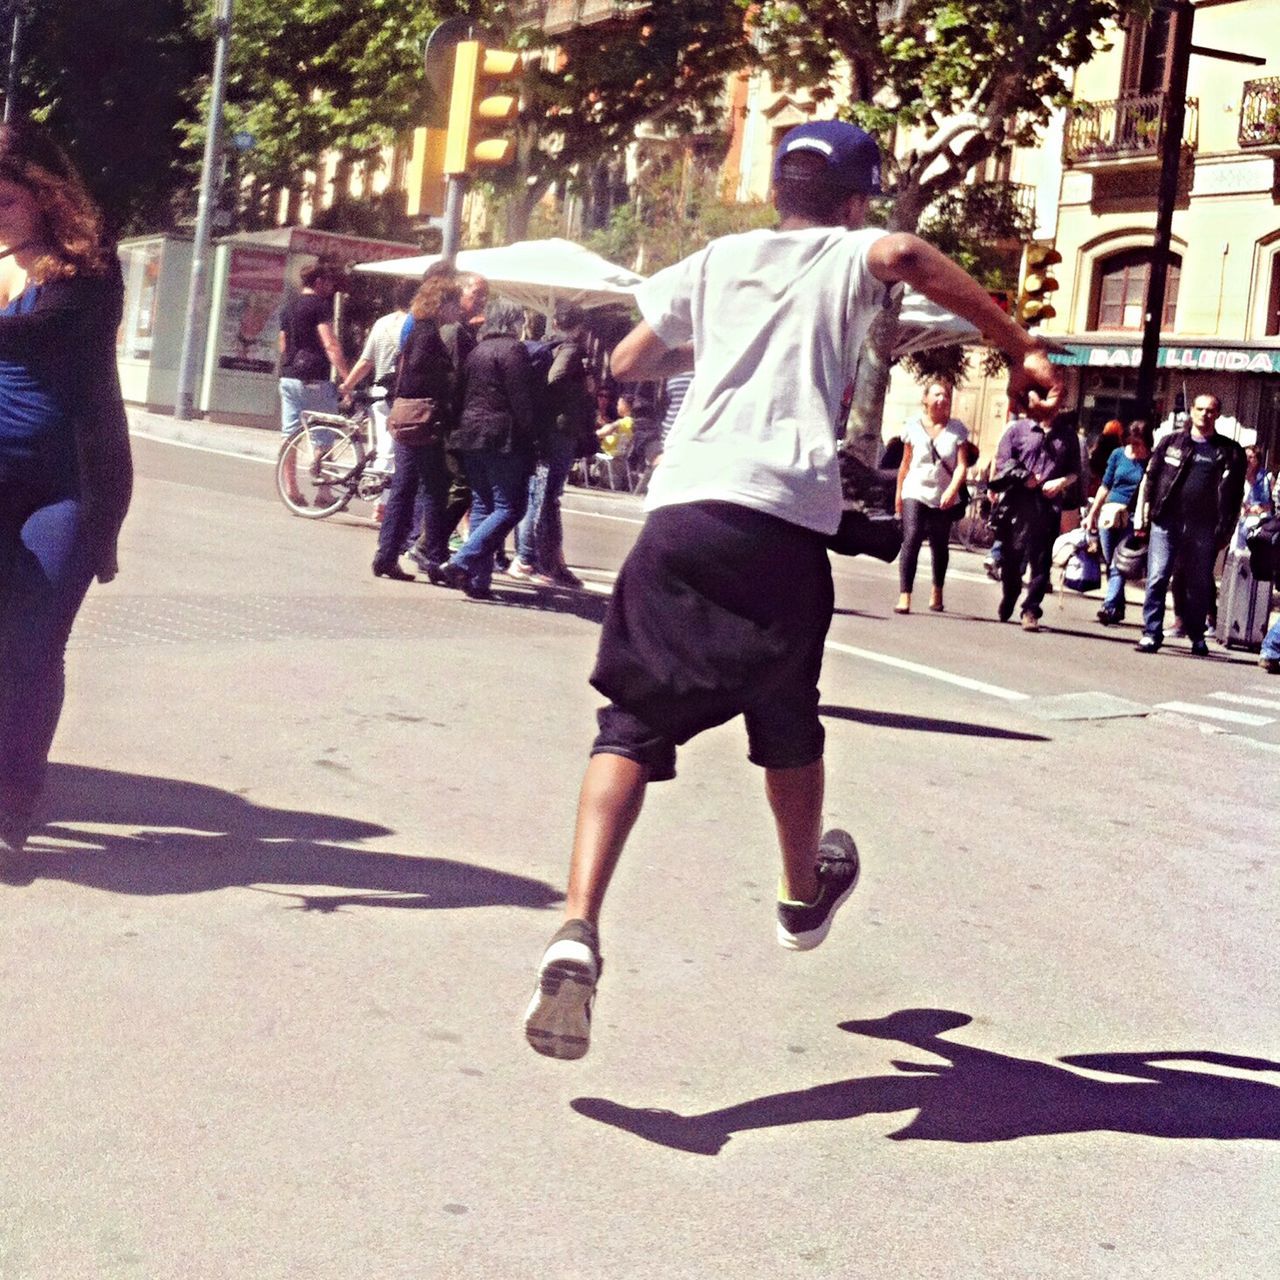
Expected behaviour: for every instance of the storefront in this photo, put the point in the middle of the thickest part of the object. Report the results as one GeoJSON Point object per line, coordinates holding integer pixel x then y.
{"type": "Point", "coordinates": [1103, 380]}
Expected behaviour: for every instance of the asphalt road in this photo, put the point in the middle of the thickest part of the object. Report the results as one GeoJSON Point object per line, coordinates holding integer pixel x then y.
{"type": "Point", "coordinates": [306, 838]}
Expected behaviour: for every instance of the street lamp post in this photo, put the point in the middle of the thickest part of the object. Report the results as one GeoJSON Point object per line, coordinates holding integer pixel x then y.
{"type": "Point", "coordinates": [193, 328]}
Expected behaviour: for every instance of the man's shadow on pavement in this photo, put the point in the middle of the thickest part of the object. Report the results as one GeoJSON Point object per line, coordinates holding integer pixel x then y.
{"type": "Point", "coordinates": [979, 1095]}
{"type": "Point", "coordinates": [185, 837]}
{"type": "Point", "coordinates": [923, 724]}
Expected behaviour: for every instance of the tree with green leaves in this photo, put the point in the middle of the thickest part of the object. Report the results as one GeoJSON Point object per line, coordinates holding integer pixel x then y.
{"type": "Point", "coordinates": [955, 80]}
{"type": "Point", "coordinates": [308, 77]}
{"type": "Point", "coordinates": [111, 80]}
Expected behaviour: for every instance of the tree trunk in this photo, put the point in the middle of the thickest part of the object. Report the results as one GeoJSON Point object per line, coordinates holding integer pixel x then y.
{"type": "Point", "coordinates": [871, 382]}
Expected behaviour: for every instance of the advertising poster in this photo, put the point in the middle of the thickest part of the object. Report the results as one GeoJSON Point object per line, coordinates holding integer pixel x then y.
{"type": "Point", "coordinates": [141, 267]}
{"type": "Point", "coordinates": [251, 310]}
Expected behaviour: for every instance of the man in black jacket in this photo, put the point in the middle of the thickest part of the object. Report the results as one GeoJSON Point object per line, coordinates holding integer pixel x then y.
{"type": "Point", "coordinates": [1189, 503]}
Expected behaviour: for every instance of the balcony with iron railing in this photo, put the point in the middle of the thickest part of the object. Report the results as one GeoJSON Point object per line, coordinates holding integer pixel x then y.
{"type": "Point", "coordinates": [1260, 113]}
{"type": "Point", "coordinates": [1127, 130]}
{"type": "Point", "coordinates": [564, 15]}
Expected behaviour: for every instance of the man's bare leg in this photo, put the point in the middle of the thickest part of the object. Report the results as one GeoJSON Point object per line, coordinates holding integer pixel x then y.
{"type": "Point", "coordinates": [819, 871]}
{"type": "Point", "coordinates": [558, 1021]}
{"type": "Point", "coordinates": [795, 796]}
{"type": "Point", "coordinates": [608, 806]}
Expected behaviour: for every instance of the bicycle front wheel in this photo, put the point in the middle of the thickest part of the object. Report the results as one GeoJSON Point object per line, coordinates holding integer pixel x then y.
{"type": "Point", "coordinates": [318, 467]}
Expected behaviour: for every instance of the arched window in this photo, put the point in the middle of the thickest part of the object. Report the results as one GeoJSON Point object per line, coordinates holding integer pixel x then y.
{"type": "Point", "coordinates": [1121, 290]}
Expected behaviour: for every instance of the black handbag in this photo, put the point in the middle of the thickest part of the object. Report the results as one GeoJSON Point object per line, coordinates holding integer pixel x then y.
{"type": "Point", "coordinates": [1264, 549]}
{"type": "Point", "coordinates": [1129, 559]}
{"type": "Point", "coordinates": [868, 526]}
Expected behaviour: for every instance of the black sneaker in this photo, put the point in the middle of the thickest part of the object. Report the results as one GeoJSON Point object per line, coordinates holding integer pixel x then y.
{"type": "Point", "coordinates": [1148, 644]}
{"type": "Point", "coordinates": [558, 1021]}
{"type": "Point", "coordinates": [803, 925]}
{"type": "Point", "coordinates": [1200, 648]}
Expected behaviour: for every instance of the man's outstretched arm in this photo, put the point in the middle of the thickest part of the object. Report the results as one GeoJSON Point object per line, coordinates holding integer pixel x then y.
{"type": "Point", "coordinates": [643, 357]}
{"type": "Point", "coordinates": [906, 259]}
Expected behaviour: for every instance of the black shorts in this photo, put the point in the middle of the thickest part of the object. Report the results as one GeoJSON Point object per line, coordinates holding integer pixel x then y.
{"type": "Point", "coordinates": [719, 611]}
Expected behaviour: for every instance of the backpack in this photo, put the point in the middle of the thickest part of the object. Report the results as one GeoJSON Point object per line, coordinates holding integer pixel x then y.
{"type": "Point", "coordinates": [1081, 570]}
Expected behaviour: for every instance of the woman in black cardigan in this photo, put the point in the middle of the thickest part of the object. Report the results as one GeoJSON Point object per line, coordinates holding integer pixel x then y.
{"type": "Point", "coordinates": [65, 469]}
{"type": "Point", "coordinates": [425, 370]}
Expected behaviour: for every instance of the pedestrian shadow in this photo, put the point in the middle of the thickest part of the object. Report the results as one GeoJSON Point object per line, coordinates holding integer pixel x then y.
{"type": "Point", "coordinates": [978, 1095]}
{"type": "Point", "coordinates": [586, 605]}
{"type": "Point", "coordinates": [925, 724]}
{"type": "Point", "coordinates": [136, 834]}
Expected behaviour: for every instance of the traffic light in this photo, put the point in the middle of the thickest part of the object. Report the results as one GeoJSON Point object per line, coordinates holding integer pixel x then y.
{"type": "Point", "coordinates": [477, 135]}
{"type": "Point", "coordinates": [1038, 261]}
{"type": "Point", "coordinates": [424, 178]}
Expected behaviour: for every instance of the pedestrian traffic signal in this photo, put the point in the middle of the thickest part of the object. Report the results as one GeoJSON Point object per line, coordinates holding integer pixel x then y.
{"type": "Point", "coordinates": [479, 133]}
{"type": "Point", "coordinates": [1034, 306]}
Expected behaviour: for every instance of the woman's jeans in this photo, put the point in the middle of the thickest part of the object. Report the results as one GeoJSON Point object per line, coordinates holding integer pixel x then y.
{"type": "Point", "coordinates": [499, 492]}
{"type": "Point", "coordinates": [921, 521]}
{"type": "Point", "coordinates": [44, 574]}
{"type": "Point", "coordinates": [421, 470]}
{"type": "Point", "coordinates": [1110, 539]}
{"type": "Point", "coordinates": [540, 537]}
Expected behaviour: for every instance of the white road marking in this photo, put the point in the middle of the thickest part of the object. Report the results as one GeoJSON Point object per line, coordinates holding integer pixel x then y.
{"type": "Point", "coordinates": [1243, 700]}
{"type": "Point", "coordinates": [1216, 713]}
{"type": "Point", "coordinates": [931, 673]}
{"type": "Point", "coordinates": [204, 448]}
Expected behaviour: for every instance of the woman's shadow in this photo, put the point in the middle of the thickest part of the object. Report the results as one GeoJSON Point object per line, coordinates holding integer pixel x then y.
{"type": "Point", "coordinates": [185, 837]}
{"type": "Point", "coordinates": [978, 1095]}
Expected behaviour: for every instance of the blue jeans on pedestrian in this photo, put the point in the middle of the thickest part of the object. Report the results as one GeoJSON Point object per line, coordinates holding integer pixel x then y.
{"type": "Point", "coordinates": [1271, 642]}
{"type": "Point", "coordinates": [499, 494]}
{"type": "Point", "coordinates": [421, 475]}
{"type": "Point", "coordinates": [1114, 601]}
{"type": "Point", "coordinates": [540, 537]}
{"type": "Point", "coordinates": [1193, 547]}
{"type": "Point", "coordinates": [296, 395]}
{"type": "Point", "coordinates": [45, 571]}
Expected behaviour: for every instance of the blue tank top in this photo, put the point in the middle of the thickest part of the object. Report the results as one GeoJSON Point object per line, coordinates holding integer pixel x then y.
{"type": "Point", "coordinates": [36, 443]}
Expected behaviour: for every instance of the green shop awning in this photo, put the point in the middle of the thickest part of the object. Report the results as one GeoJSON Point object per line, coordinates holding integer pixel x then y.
{"type": "Point", "coordinates": [1225, 359]}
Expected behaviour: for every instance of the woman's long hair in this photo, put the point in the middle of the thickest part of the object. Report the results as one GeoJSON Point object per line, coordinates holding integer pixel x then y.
{"type": "Point", "coordinates": [72, 229]}
{"type": "Point", "coordinates": [439, 286]}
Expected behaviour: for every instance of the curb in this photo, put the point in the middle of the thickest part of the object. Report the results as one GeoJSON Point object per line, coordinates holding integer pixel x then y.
{"type": "Point", "coordinates": [249, 442]}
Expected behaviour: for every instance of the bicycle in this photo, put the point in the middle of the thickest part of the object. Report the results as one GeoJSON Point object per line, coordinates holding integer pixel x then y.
{"type": "Point", "coordinates": [326, 461]}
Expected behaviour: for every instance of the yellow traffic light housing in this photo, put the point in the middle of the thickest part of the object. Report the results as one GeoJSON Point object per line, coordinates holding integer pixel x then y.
{"type": "Point", "coordinates": [471, 139]}
{"type": "Point", "coordinates": [424, 177]}
{"type": "Point", "coordinates": [1034, 306]}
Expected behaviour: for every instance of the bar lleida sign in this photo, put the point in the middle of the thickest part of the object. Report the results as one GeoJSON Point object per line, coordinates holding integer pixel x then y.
{"type": "Point", "coordinates": [1187, 359]}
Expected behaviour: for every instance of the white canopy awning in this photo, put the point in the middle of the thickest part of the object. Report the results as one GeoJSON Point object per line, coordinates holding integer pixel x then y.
{"type": "Point", "coordinates": [533, 273]}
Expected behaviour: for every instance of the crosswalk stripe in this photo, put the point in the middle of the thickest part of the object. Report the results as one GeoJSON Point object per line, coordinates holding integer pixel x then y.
{"type": "Point", "coordinates": [1216, 713]}
{"type": "Point", "coordinates": [1243, 700]}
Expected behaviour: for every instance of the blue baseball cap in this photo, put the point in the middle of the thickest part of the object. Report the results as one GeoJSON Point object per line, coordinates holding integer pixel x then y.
{"type": "Point", "coordinates": [853, 159]}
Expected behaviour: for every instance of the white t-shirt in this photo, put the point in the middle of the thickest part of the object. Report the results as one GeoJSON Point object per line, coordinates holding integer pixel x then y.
{"type": "Point", "coordinates": [382, 346]}
{"type": "Point", "coordinates": [933, 461]}
{"type": "Point", "coordinates": [777, 319]}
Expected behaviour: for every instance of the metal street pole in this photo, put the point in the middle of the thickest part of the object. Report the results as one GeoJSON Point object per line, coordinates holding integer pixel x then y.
{"type": "Point", "coordinates": [15, 62]}
{"type": "Point", "coordinates": [1174, 118]}
{"type": "Point", "coordinates": [455, 189]}
{"type": "Point", "coordinates": [193, 329]}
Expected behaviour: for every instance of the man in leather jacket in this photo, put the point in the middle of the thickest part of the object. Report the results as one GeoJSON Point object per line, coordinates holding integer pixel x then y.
{"type": "Point", "coordinates": [1189, 503]}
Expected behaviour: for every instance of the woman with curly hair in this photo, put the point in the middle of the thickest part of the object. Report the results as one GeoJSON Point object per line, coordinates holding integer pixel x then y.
{"type": "Point", "coordinates": [426, 371]}
{"type": "Point", "coordinates": [65, 469]}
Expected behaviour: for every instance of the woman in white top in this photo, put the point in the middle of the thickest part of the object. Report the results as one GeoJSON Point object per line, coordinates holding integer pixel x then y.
{"type": "Point", "coordinates": [935, 462]}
